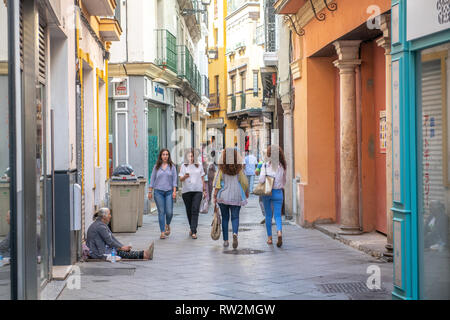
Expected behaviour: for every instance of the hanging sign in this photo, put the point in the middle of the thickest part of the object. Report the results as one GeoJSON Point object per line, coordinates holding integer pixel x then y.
{"type": "Point", "coordinates": [121, 88]}
{"type": "Point", "coordinates": [159, 92]}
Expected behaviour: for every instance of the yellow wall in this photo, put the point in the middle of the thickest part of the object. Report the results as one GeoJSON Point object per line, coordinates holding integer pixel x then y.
{"type": "Point", "coordinates": [219, 67]}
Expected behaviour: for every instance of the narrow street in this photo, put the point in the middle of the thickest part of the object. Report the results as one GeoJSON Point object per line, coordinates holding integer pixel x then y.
{"type": "Point", "coordinates": [307, 266]}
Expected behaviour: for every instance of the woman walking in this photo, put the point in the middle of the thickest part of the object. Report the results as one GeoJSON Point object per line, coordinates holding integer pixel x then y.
{"type": "Point", "coordinates": [274, 168]}
{"type": "Point", "coordinates": [194, 187]}
{"type": "Point", "coordinates": [231, 193]}
{"type": "Point", "coordinates": [164, 181]}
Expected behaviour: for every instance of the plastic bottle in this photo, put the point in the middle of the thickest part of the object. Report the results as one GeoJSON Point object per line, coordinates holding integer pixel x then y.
{"type": "Point", "coordinates": [113, 255]}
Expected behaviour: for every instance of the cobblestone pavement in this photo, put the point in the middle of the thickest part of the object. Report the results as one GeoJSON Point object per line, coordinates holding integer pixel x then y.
{"type": "Point", "coordinates": [310, 265]}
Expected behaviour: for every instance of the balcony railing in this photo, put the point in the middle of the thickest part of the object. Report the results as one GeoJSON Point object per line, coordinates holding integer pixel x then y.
{"type": "Point", "coordinates": [185, 64]}
{"type": "Point", "coordinates": [195, 79]}
{"type": "Point", "coordinates": [243, 101]}
{"type": "Point", "coordinates": [270, 30]}
{"type": "Point", "coordinates": [205, 86]}
{"type": "Point", "coordinates": [199, 83]}
{"type": "Point", "coordinates": [234, 5]}
{"type": "Point", "coordinates": [233, 103]}
{"type": "Point", "coordinates": [166, 50]}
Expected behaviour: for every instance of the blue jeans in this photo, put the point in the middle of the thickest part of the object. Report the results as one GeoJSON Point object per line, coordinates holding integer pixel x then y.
{"type": "Point", "coordinates": [251, 182]}
{"type": "Point", "coordinates": [164, 203]}
{"type": "Point", "coordinates": [276, 199]}
{"type": "Point", "coordinates": [225, 210]}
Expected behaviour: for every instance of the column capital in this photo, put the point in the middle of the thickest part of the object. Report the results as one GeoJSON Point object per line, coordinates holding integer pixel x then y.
{"type": "Point", "coordinates": [385, 40]}
{"type": "Point", "coordinates": [287, 108]}
{"type": "Point", "coordinates": [347, 49]}
{"type": "Point", "coordinates": [347, 66]}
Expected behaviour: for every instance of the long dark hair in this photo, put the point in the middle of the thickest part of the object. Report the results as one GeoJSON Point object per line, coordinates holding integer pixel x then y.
{"type": "Point", "coordinates": [186, 157]}
{"type": "Point", "coordinates": [159, 162]}
{"type": "Point", "coordinates": [281, 157]}
{"type": "Point", "coordinates": [232, 168]}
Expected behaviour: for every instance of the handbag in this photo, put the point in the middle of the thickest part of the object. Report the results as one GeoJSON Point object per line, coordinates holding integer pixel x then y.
{"type": "Point", "coordinates": [215, 225]}
{"type": "Point", "coordinates": [265, 188]}
{"type": "Point", "coordinates": [204, 205]}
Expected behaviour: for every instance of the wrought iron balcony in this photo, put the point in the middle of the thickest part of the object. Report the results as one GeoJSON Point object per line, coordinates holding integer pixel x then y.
{"type": "Point", "coordinates": [233, 103]}
{"type": "Point", "coordinates": [234, 5]}
{"type": "Point", "coordinates": [185, 63]}
{"type": "Point", "coordinates": [270, 30]}
{"type": "Point", "coordinates": [100, 7]}
{"type": "Point", "coordinates": [243, 101]}
{"type": "Point", "coordinates": [166, 50]}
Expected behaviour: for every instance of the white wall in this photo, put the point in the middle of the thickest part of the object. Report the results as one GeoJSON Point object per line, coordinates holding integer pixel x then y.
{"type": "Point", "coordinates": [61, 79]}
{"type": "Point", "coordinates": [119, 48]}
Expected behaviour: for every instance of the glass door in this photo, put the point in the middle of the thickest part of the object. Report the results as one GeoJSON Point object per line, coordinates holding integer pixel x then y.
{"type": "Point", "coordinates": [434, 174]}
{"type": "Point", "coordinates": [5, 173]}
{"type": "Point", "coordinates": [42, 182]}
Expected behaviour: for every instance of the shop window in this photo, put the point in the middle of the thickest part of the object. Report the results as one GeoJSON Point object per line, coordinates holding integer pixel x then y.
{"type": "Point", "coordinates": [434, 165]}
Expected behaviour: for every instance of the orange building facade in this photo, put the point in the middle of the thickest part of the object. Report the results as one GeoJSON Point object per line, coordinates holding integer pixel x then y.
{"type": "Point", "coordinates": [340, 70]}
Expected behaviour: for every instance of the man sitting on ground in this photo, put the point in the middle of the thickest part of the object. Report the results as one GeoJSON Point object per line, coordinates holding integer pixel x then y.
{"type": "Point", "coordinates": [101, 241]}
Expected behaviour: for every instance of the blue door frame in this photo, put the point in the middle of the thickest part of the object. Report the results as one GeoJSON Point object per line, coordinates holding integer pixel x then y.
{"type": "Point", "coordinates": [405, 55]}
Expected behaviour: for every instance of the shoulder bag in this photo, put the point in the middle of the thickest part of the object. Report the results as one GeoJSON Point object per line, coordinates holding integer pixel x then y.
{"type": "Point", "coordinates": [215, 225]}
{"type": "Point", "coordinates": [265, 188]}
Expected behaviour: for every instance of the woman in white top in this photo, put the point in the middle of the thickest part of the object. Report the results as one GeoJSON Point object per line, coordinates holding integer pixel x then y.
{"type": "Point", "coordinates": [194, 187]}
{"type": "Point", "coordinates": [274, 168]}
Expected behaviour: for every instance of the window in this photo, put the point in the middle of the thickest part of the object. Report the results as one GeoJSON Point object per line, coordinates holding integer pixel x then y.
{"type": "Point", "coordinates": [216, 10]}
{"type": "Point", "coordinates": [255, 83]}
{"type": "Point", "coordinates": [121, 105]}
{"type": "Point", "coordinates": [216, 36]}
{"type": "Point", "coordinates": [243, 79]}
{"type": "Point", "coordinates": [216, 79]}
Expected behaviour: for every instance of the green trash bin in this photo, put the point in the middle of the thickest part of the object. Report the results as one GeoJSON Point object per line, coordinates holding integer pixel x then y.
{"type": "Point", "coordinates": [4, 208]}
{"type": "Point", "coordinates": [141, 202]}
{"type": "Point", "coordinates": [124, 205]}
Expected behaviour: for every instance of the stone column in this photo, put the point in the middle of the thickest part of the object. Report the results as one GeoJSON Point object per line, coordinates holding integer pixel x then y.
{"type": "Point", "coordinates": [348, 53]}
{"type": "Point", "coordinates": [385, 42]}
{"type": "Point", "coordinates": [288, 153]}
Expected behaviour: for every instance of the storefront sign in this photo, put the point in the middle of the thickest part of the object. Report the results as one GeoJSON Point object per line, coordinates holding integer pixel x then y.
{"type": "Point", "coordinates": [214, 121]}
{"type": "Point", "coordinates": [396, 130]}
{"type": "Point", "coordinates": [159, 92]}
{"type": "Point", "coordinates": [121, 88]}
{"type": "Point", "coordinates": [435, 12]}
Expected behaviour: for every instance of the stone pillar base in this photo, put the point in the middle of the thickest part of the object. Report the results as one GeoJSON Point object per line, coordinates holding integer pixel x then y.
{"type": "Point", "coordinates": [389, 253]}
{"type": "Point", "coordinates": [350, 231]}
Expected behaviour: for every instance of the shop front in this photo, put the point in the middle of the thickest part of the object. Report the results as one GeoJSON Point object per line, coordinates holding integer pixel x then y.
{"type": "Point", "coordinates": [421, 149]}
{"type": "Point", "coordinates": [159, 108]}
